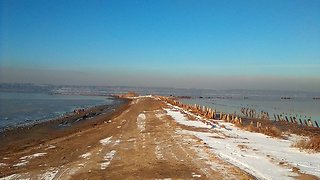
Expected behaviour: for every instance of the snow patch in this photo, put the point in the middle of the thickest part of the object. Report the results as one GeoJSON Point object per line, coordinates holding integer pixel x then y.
{"type": "Point", "coordinates": [86, 155]}
{"type": "Point", "coordinates": [24, 160]}
{"type": "Point", "coordinates": [141, 96]}
{"type": "Point", "coordinates": [196, 175]}
{"type": "Point", "coordinates": [3, 164]}
{"type": "Point", "coordinates": [117, 142]}
{"type": "Point", "coordinates": [105, 141]}
{"type": "Point", "coordinates": [50, 147]}
{"type": "Point", "coordinates": [107, 159]}
{"type": "Point", "coordinates": [141, 122]}
{"type": "Point", "coordinates": [136, 101]}
{"type": "Point", "coordinates": [22, 163]}
{"type": "Point", "coordinates": [49, 175]}
{"type": "Point", "coordinates": [11, 177]}
{"type": "Point", "coordinates": [131, 140]}
{"type": "Point", "coordinates": [73, 171]}
{"type": "Point", "coordinates": [158, 152]}
{"type": "Point", "coordinates": [263, 155]}
{"type": "Point", "coordinates": [142, 116]}
{"type": "Point", "coordinates": [33, 156]}
{"type": "Point", "coordinates": [181, 119]}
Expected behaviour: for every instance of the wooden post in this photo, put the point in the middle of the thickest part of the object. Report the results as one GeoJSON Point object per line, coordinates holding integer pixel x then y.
{"type": "Point", "coordinates": [294, 119]}
{"type": "Point", "coordinates": [286, 118]}
{"type": "Point", "coordinates": [291, 119]}
{"type": "Point", "coordinates": [278, 117]}
{"type": "Point", "coordinates": [316, 123]}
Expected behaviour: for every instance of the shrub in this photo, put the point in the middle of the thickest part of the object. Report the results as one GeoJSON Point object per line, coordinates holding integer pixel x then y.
{"type": "Point", "coordinates": [274, 132]}
{"type": "Point", "coordinates": [312, 143]}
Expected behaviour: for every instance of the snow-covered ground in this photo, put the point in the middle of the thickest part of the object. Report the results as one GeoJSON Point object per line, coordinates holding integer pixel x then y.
{"type": "Point", "coordinates": [25, 159]}
{"type": "Point", "coordinates": [181, 119]}
{"type": "Point", "coordinates": [258, 154]}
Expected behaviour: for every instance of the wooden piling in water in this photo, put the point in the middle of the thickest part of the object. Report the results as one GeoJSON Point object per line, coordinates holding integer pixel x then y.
{"type": "Point", "coordinates": [286, 118]}
{"type": "Point", "coordinates": [291, 119]}
{"type": "Point", "coordinates": [295, 121]}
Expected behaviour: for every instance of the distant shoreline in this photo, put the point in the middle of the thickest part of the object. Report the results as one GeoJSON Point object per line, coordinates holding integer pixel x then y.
{"type": "Point", "coordinates": [51, 111]}
{"type": "Point", "coordinates": [148, 131]}
{"type": "Point", "coordinates": [53, 128]}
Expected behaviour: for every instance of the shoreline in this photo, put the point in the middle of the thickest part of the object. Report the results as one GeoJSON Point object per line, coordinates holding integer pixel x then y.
{"type": "Point", "coordinates": [302, 111]}
{"type": "Point", "coordinates": [32, 134]}
{"type": "Point", "coordinates": [63, 114]}
{"type": "Point", "coordinates": [284, 126]}
{"type": "Point", "coordinates": [132, 131]}
{"type": "Point", "coordinates": [148, 137]}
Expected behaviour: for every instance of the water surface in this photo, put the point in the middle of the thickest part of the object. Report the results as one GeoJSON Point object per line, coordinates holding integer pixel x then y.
{"type": "Point", "coordinates": [23, 108]}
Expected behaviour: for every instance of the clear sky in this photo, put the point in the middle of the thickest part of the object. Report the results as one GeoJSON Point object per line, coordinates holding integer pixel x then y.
{"type": "Point", "coordinates": [257, 44]}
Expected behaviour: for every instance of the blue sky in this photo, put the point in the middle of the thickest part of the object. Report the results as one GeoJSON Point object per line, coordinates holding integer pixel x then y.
{"type": "Point", "coordinates": [133, 42]}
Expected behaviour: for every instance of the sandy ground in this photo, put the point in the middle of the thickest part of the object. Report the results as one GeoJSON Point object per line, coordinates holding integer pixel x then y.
{"type": "Point", "coordinates": [139, 143]}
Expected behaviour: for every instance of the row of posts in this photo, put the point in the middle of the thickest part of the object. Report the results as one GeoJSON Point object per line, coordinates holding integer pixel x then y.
{"type": "Point", "coordinates": [206, 112]}
{"type": "Point", "coordinates": [251, 113]}
{"type": "Point", "coordinates": [296, 120]}
{"type": "Point", "coordinates": [247, 112]}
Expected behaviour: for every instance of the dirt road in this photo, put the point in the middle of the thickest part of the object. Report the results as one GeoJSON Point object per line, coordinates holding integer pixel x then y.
{"type": "Point", "coordinates": [140, 143]}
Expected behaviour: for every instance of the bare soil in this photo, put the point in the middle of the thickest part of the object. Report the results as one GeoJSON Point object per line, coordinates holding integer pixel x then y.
{"type": "Point", "coordinates": [138, 141]}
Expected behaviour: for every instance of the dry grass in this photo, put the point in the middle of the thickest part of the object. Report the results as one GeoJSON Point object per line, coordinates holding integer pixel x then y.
{"type": "Point", "coordinates": [190, 117]}
{"type": "Point", "coordinates": [251, 128]}
{"type": "Point", "coordinates": [312, 143]}
{"type": "Point", "coordinates": [243, 147]}
{"type": "Point", "coordinates": [270, 131]}
{"type": "Point", "coordinates": [273, 131]}
{"type": "Point", "coordinates": [271, 128]}
{"type": "Point", "coordinates": [239, 125]}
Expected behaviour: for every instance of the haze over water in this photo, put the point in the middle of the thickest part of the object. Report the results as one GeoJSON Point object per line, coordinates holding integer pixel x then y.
{"type": "Point", "coordinates": [268, 44]}
{"type": "Point", "coordinates": [218, 45]}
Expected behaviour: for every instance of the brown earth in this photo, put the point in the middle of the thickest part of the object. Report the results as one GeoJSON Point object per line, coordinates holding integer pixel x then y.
{"type": "Point", "coordinates": [140, 142]}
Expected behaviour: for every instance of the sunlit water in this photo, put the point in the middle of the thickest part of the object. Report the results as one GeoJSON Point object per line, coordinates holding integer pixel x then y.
{"type": "Point", "coordinates": [22, 108]}
{"type": "Point", "coordinates": [301, 107]}
{"type": "Point", "coordinates": [17, 108]}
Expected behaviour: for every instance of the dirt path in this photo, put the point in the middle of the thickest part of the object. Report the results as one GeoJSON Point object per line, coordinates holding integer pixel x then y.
{"type": "Point", "coordinates": [141, 143]}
